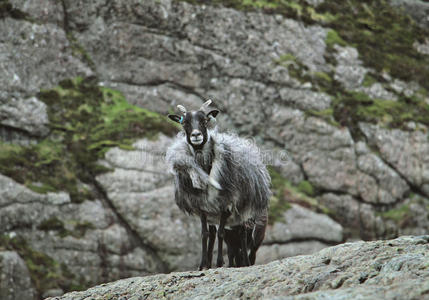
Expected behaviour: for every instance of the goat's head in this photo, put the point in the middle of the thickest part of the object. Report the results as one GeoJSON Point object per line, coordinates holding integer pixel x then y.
{"type": "Point", "coordinates": [195, 124]}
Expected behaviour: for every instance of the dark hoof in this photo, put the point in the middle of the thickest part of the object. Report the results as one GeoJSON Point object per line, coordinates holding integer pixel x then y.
{"type": "Point", "coordinates": [219, 264]}
{"type": "Point", "coordinates": [203, 268]}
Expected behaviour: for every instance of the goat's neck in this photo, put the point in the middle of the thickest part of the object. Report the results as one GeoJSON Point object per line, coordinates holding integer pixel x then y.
{"type": "Point", "coordinates": [204, 155]}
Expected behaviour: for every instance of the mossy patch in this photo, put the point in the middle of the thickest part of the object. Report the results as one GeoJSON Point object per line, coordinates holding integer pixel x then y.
{"type": "Point", "coordinates": [400, 215]}
{"type": "Point", "coordinates": [45, 272]}
{"type": "Point", "coordinates": [369, 80]}
{"type": "Point", "coordinates": [383, 35]}
{"type": "Point", "coordinates": [332, 38]}
{"type": "Point", "coordinates": [321, 81]}
{"type": "Point", "coordinates": [85, 120]}
{"type": "Point", "coordinates": [56, 225]}
{"type": "Point", "coordinates": [285, 193]}
{"type": "Point", "coordinates": [52, 224]}
{"type": "Point", "coordinates": [323, 77]}
{"type": "Point", "coordinates": [327, 115]}
{"type": "Point", "coordinates": [350, 108]}
{"type": "Point", "coordinates": [306, 187]}
{"type": "Point", "coordinates": [322, 18]}
{"type": "Point", "coordinates": [279, 202]}
{"type": "Point", "coordinates": [295, 68]}
{"type": "Point", "coordinates": [79, 51]}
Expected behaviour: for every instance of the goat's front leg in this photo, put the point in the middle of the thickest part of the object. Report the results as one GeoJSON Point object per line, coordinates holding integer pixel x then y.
{"type": "Point", "coordinates": [220, 234]}
{"type": "Point", "coordinates": [212, 238]}
{"type": "Point", "coordinates": [204, 236]}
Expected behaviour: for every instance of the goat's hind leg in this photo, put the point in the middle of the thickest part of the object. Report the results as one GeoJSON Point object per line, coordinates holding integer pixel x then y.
{"type": "Point", "coordinates": [204, 237]}
{"type": "Point", "coordinates": [230, 238]}
{"type": "Point", "coordinates": [258, 237]}
{"type": "Point", "coordinates": [243, 240]}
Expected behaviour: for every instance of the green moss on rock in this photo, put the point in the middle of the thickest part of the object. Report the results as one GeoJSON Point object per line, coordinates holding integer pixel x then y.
{"type": "Point", "coordinates": [401, 215]}
{"type": "Point", "coordinates": [285, 193]}
{"type": "Point", "coordinates": [79, 51]}
{"type": "Point", "coordinates": [397, 214]}
{"type": "Point", "coordinates": [350, 108]}
{"type": "Point", "coordinates": [306, 187]}
{"type": "Point", "coordinates": [327, 115]}
{"type": "Point", "coordinates": [323, 77]}
{"type": "Point", "coordinates": [86, 120]}
{"type": "Point", "coordinates": [296, 69]}
{"type": "Point", "coordinates": [368, 80]}
{"type": "Point", "coordinates": [279, 202]}
{"type": "Point", "coordinates": [332, 38]}
{"type": "Point", "coordinates": [54, 224]}
{"type": "Point", "coordinates": [383, 35]}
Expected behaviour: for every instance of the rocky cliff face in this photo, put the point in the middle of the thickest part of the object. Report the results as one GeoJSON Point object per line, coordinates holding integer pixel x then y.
{"type": "Point", "coordinates": [335, 94]}
{"type": "Point", "coordinates": [395, 269]}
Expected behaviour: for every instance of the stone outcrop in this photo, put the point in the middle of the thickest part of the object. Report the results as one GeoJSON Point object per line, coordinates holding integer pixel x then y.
{"type": "Point", "coordinates": [347, 140]}
{"type": "Point", "coordinates": [15, 281]}
{"type": "Point", "coordinates": [393, 269]}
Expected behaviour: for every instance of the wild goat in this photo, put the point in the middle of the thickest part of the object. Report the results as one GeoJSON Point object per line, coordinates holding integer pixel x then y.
{"type": "Point", "coordinates": [218, 177]}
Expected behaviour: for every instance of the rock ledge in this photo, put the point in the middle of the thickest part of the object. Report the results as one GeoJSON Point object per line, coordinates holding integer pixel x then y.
{"type": "Point", "coordinates": [392, 269]}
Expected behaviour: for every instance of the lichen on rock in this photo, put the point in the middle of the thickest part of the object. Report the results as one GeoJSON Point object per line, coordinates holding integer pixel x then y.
{"type": "Point", "coordinates": [85, 120]}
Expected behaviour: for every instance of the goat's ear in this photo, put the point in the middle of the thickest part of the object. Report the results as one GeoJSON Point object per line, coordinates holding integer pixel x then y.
{"type": "Point", "coordinates": [213, 113]}
{"type": "Point", "coordinates": [176, 118]}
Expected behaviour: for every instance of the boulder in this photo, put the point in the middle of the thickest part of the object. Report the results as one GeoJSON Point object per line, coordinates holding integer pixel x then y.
{"type": "Point", "coordinates": [394, 269]}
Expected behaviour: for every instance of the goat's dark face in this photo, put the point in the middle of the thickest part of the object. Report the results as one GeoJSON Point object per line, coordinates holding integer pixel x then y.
{"type": "Point", "coordinates": [195, 125]}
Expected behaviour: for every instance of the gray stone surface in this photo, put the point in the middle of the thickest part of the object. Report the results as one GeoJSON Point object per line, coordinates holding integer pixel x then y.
{"type": "Point", "coordinates": [29, 115]}
{"type": "Point", "coordinates": [34, 56]}
{"type": "Point", "coordinates": [377, 91]}
{"type": "Point", "coordinates": [269, 253]}
{"type": "Point", "coordinates": [405, 151]}
{"type": "Point", "coordinates": [15, 281]}
{"type": "Point", "coordinates": [346, 210]}
{"type": "Point", "coordinates": [349, 70]}
{"type": "Point", "coordinates": [393, 269]}
{"type": "Point", "coordinates": [302, 224]}
{"type": "Point", "coordinates": [351, 73]}
{"type": "Point", "coordinates": [46, 11]}
{"type": "Point", "coordinates": [388, 187]}
{"type": "Point", "coordinates": [418, 10]}
{"type": "Point", "coordinates": [305, 99]}
{"type": "Point", "coordinates": [422, 48]}
{"type": "Point", "coordinates": [23, 211]}
{"type": "Point", "coordinates": [162, 53]}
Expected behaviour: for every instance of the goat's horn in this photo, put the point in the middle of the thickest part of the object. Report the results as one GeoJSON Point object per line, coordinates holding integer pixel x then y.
{"type": "Point", "coordinates": [206, 104]}
{"type": "Point", "coordinates": [182, 109]}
